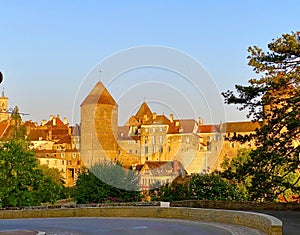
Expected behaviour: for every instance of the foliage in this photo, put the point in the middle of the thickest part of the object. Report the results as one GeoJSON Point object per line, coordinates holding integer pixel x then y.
{"type": "Point", "coordinates": [214, 187]}
{"type": "Point", "coordinates": [170, 192]}
{"type": "Point", "coordinates": [107, 182]}
{"type": "Point", "coordinates": [53, 173]}
{"type": "Point", "coordinates": [200, 187]}
{"type": "Point", "coordinates": [273, 166]}
{"type": "Point", "coordinates": [22, 182]}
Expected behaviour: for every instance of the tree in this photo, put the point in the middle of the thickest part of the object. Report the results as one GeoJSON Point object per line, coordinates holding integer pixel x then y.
{"type": "Point", "coordinates": [274, 98]}
{"type": "Point", "coordinates": [200, 187]}
{"type": "Point", "coordinates": [213, 187]}
{"type": "Point", "coordinates": [107, 182]}
{"type": "Point", "coordinates": [22, 182]}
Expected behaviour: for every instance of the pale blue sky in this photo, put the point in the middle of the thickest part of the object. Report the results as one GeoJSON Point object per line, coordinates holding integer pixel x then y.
{"type": "Point", "coordinates": [48, 47]}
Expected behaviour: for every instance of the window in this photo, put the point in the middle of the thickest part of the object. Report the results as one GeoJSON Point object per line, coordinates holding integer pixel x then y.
{"type": "Point", "coordinates": [136, 151]}
{"type": "Point", "coordinates": [146, 149]}
{"type": "Point", "coordinates": [160, 139]}
{"type": "Point", "coordinates": [62, 155]}
{"type": "Point", "coordinates": [153, 129]}
{"type": "Point", "coordinates": [130, 151]}
{"type": "Point", "coordinates": [187, 140]}
{"type": "Point", "coordinates": [74, 155]}
{"type": "Point", "coordinates": [153, 139]}
{"type": "Point", "coordinates": [161, 149]}
{"type": "Point", "coordinates": [154, 149]}
{"type": "Point", "coordinates": [161, 129]}
{"type": "Point", "coordinates": [63, 162]}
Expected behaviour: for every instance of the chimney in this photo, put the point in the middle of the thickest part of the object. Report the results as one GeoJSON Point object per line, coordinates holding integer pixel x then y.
{"type": "Point", "coordinates": [154, 115]}
{"type": "Point", "coordinates": [200, 121]}
{"type": "Point", "coordinates": [54, 121]}
{"type": "Point", "coordinates": [65, 121]}
{"type": "Point", "coordinates": [171, 118]}
{"type": "Point", "coordinates": [43, 122]}
{"type": "Point", "coordinates": [175, 166]}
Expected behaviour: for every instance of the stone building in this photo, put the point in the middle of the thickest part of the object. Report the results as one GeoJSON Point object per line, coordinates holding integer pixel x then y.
{"type": "Point", "coordinates": [52, 141]}
{"type": "Point", "coordinates": [145, 137]}
{"type": "Point", "coordinates": [99, 129]}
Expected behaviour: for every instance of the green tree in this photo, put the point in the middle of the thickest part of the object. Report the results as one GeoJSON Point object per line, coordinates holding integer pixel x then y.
{"type": "Point", "coordinates": [200, 187]}
{"type": "Point", "coordinates": [274, 98]}
{"type": "Point", "coordinates": [22, 182]}
{"type": "Point", "coordinates": [171, 192]}
{"type": "Point", "coordinates": [213, 187]}
{"type": "Point", "coordinates": [107, 182]}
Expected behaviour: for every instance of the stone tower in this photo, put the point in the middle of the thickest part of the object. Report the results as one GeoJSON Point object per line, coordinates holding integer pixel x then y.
{"type": "Point", "coordinates": [99, 126]}
{"type": "Point", "coordinates": [4, 115]}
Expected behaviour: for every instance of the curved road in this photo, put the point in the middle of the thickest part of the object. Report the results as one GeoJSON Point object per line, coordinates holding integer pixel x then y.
{"type": "Point", "coordinates": [115, 226]}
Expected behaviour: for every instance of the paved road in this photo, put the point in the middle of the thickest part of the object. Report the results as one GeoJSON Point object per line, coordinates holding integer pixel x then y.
{"type": "Point", "coordinates": [290, 219]}
{"type": "Point", "coordinates": [115, 226]}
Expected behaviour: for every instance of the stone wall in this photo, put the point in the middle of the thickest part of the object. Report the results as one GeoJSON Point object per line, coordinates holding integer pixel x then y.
{"type": "Point", "coordinates": [238, 205]}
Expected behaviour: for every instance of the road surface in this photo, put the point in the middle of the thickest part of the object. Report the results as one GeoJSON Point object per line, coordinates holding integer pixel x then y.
{"type": "Point", "coordinates": [117, 226]}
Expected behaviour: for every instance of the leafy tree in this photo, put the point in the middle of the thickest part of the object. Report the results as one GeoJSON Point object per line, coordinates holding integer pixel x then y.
{"type": "Point", "coordinates": [53, 173]}
{"type": "Point", "coordinates": [53, 182]}
{"type": "Point", "coordinates": [107, 182]}
{"type": "Point", "coordinates": [274, 98]}
{"type": "Point", "coordinates": [171, 192]}
{"type": "Point", "coordinates": [213, 187]}
{"type": "Point", "coordinates": [200, 187]}
{"type": "Point", "coordinates": [22, 182]}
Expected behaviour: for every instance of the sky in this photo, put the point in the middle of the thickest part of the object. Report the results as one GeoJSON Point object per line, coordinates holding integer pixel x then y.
{"type": "Point", "coordinates": [51, 52]}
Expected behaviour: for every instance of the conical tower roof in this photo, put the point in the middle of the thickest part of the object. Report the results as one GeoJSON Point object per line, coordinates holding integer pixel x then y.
{"type": "Point", "coordinates": [99, 95]}
{"type": "Point", "coordinates": [144, 110]}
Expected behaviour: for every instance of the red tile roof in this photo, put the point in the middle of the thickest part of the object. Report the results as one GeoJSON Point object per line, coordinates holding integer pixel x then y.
{"type": "Point", "coordinates": [35, 135]}
{"type": "Point", "coordinates": [208, 128]}
{"type": "Point", "coordinates": [144, 110]}
{"type": "Point", "coordinates": [158, 168]}
{"type": "Point", "coordinates": [3, 127]}
{"type": "Point", "coordinates": [56, 122]}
